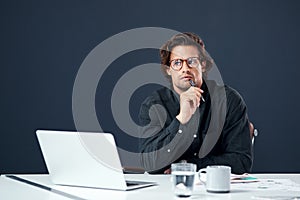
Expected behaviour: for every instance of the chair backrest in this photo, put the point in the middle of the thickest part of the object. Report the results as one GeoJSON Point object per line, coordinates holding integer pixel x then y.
{"type": "Point", "coordinates": [253, 131]}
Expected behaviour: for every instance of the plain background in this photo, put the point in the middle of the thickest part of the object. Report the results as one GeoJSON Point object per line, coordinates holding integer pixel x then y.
{"type": "Point", "coordinates": [43, 43]}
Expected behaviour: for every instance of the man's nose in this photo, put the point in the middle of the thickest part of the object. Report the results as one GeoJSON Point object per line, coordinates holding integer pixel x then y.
{"type": "Point", "coordinates": [185, 66]}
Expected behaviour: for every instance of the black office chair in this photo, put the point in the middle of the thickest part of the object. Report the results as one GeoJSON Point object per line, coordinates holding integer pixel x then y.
{"type": "Point", "coordinates": [253, 132]}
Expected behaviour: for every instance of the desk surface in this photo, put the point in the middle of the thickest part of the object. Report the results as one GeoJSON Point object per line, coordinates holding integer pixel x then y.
{"type": "Point", "coordinates": [278, 185]}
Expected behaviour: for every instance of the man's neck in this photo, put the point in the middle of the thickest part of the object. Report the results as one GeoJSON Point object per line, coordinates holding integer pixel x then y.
{"type": "Point", "coordinates": [178, 91]}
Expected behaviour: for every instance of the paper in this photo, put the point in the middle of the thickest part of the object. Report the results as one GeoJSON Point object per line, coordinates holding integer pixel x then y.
{"type": "Point", "coordinates": [269, 185]}
{"type": "Point", "coordinates": [243, 178]}
{"type": "Point", "coordinates": [235, 178]}
{"type": "Point", "coordinates": [249, 182]}
{"type": "Point", "coordinates": [276, 197]}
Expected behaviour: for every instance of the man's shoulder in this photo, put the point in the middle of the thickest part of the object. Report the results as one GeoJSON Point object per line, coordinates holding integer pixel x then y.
{"type": "Point", "coordinates": [217, 88]}
{"type": "Point", "coordinates": [223, 92]}
{"type": "Point", "coordinates": [232, 93]}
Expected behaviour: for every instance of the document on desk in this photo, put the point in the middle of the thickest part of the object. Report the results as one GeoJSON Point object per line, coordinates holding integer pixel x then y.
{"type": "Point", "coordinates": [243, 178]}
{"type": "Point", "coordinates": [250, 182]}
{"type": "Point", "coordinates": [271, 186]}
{"type": "Point", "coordinates": [268, 185]}
{"type": "Point", "coordinates": [234, 178]}
{"type": "Point", "coordinates": [276, 197]}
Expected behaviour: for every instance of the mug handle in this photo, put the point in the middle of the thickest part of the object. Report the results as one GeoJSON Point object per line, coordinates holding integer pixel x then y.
{"type": "Point", "coordinates": [202, 171]}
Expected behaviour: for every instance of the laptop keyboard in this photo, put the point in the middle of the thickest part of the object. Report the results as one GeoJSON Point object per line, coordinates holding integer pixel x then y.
{"type": "Point", "coordinates": [132, 183]}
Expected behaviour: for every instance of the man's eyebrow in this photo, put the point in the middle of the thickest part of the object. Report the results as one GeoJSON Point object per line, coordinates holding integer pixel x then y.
{"type": "Point", "coordinates": [176, 58]}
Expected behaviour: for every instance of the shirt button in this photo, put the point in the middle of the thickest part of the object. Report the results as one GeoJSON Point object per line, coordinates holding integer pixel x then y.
{"type": "Point", "coordinates": [179, 131]}
{"type": "Point", "coordinates": [195, 154]}
{"type": "Point", "coordinates": [168, 150]}
{"type": "Point", "coordinates": [195, 136]}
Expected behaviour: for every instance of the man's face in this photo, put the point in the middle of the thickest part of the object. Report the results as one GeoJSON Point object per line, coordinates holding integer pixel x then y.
{"type": "Point", "coordinates": [181, 78]}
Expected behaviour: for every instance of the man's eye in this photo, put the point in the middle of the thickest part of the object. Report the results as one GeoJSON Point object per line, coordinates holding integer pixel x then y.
{"type": "Point", "coordinates": [191, 62]}
{"type": "Point", "coordinates": [177, 62]}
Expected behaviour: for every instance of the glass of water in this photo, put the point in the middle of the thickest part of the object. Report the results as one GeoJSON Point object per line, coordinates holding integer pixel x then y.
{"type": "Point", "coordinates": [183, 175]}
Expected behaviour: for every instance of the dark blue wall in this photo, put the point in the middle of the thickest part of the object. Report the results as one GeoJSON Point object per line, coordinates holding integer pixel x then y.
{"type": "Point", "coordinates": [43, 43]}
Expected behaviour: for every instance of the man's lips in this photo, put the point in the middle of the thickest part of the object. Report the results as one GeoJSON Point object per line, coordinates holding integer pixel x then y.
{"type": "Point", "coordinates": [187, 77]}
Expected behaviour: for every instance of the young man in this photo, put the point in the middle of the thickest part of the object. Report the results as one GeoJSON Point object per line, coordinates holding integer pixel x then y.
{"type": "Point", "coordinates": [197, 121]}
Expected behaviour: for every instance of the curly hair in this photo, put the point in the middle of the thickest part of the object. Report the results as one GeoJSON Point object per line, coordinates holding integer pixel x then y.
{"type": "Point", "coordinates": [184, 39]}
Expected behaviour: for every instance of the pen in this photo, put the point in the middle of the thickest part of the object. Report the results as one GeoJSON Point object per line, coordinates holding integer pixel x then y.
{"type": "Point", "coordinates": [193, 85]}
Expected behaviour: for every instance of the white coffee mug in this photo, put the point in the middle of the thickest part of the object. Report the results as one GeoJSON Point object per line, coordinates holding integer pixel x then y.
{"type": "Point", "coordinates": [217, 178]}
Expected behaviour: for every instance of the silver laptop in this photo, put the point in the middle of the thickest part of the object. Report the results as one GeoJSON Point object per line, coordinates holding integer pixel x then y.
{"type": "Point", "coordinates": [84, 159]}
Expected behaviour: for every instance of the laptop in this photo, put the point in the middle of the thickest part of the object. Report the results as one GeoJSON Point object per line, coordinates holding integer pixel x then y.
{"type": "Point", "coordinates": [84, 159]}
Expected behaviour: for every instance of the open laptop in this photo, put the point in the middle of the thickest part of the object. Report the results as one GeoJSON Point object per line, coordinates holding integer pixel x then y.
{"type": "Point", "coordinates": [84, 159]}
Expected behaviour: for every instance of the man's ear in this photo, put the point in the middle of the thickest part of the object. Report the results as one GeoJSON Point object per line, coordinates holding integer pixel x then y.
{"type": "Point", "coordinates": [168, 71]}
{"type": "Point", "coordinates": [203, 66]}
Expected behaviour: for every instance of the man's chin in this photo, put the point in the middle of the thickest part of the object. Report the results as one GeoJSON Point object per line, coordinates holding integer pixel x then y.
{"type": "Point", "coordinates": [186, 85]}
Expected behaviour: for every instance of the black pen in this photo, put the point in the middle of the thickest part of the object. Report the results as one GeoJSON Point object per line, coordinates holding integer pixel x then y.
{"type": "Point", "coordinates": [193, 85]}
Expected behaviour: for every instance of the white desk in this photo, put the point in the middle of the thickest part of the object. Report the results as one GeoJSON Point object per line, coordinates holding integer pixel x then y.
{"type": "Point", "coordinates": [13, 189]}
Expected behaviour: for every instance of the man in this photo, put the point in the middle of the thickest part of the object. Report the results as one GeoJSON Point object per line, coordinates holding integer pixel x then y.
{"type": "Point", "coordinates": [198, 121]}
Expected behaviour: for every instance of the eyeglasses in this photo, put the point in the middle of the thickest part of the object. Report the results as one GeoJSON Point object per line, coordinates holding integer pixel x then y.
{"type": "Point", "coordinates": [177, 64]}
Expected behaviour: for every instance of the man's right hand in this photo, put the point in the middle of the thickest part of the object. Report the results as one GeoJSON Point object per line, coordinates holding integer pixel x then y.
{"type": "Point", "coordinates": [189, 102]}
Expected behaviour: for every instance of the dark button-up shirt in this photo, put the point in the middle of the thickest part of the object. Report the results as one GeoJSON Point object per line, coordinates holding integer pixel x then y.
{"type": "Point", "coordinates": [217, 134]}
